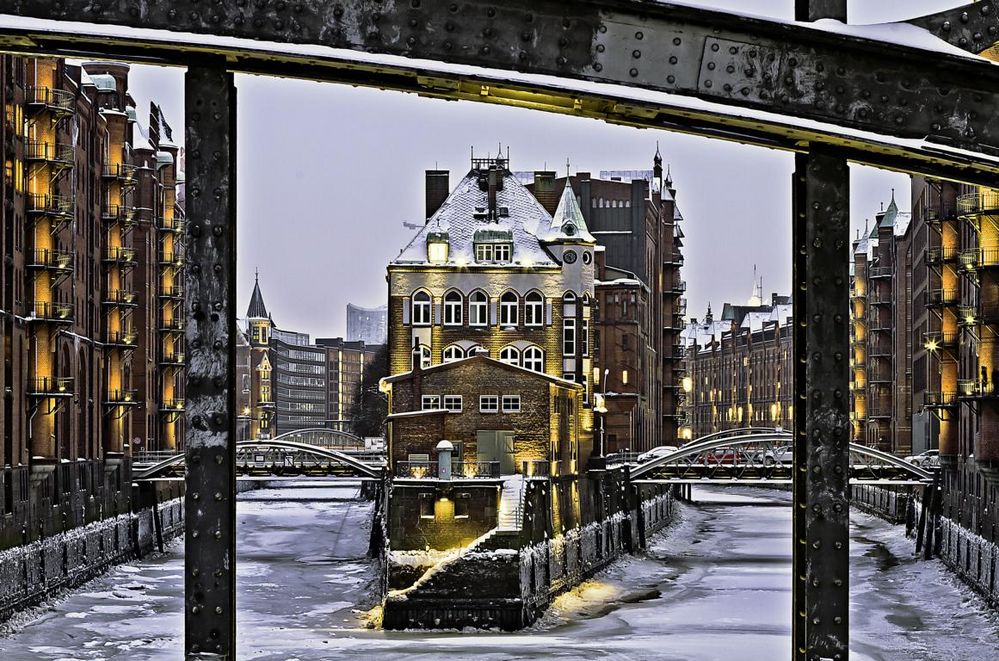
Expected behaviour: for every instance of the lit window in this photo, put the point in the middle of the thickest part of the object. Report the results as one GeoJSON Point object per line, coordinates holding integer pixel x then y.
{"type": "Point", "coordinates": [431, 402]}
{"type": "Point", "coordinates": [569, 337]}
{"type": "Point", "coordinates": [489, 404]}
{"type": "Point", "coordinates": [534, 359]}
{"type": "Point", "coordinates": [511, 403]}
{"type": "Point", "coordinates": [510, 356]}
{"type": "Point", "coordinates": [437, 252]}
{"type": "Point", "coordinates": [452, 403]}
{"type": "Point", "coordinates": [624, 377]}
{"type": "Point", "coordinates": [534, 309]}
{"type": "Point", "coordinates": [452, 309]}
{"type": "Point", "coordinates": [452, 353]}
{"type": "Point", "coordinates": [508, 309]}
{"type": "Point", "coordinates": [493, 252]}
{"type": "Point", "coordinates": [478, 305]}
{"type": "Point", "coordinates": [421, 309]}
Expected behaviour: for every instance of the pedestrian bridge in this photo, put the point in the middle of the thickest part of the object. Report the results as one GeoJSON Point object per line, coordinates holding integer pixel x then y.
{"type": "Point", "coordinates": [762, 455]}
{"type": "Point", "coordinates": [281, 456]}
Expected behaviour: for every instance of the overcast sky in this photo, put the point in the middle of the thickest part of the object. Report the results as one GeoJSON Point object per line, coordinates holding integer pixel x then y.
{"type": "Point", "coordinates": [328, 174]}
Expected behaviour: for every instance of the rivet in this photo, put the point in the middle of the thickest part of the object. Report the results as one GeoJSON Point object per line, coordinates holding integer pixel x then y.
{"type": "Point", "coordinates": [218, 610]}
{"type": "Point", "coordinates": [634, 72]}
{"type": "Point", "coordinates": [639, 35]}
{"type": "Point", "coordinates": [707, 83]}
{"type": "Point", "coordinates": [637, 54]}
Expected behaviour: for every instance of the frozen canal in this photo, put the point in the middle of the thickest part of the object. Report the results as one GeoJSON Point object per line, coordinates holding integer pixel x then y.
{"type": "Point", "coordinates": [715, 586]}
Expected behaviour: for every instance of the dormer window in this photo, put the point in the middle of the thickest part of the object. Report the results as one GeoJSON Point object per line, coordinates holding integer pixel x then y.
{"type": "Point", "coordinates": [493, 252]}
{"type": "Point", "coordinates": [437, 247]}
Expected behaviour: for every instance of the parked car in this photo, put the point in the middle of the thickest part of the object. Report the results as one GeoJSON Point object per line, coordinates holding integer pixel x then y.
{"type": "Point", "coordinates": [927, 459]}
{"type": "Point", "coordinates": [783, 455]}
{"type": "Point", "coordinates": [659, 451]}
{"type": "Point", "coordinates": [727, 456]}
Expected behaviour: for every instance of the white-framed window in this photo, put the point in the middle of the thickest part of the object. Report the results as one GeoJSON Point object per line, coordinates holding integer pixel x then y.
{"type": "Point", "coordinates": [511, 403]}
{"type": "Point", "coordinates": [534, 359]}
{"type": "Point", "coordinates": [510, 356]}
{"type": "Point", "coordinates": [569, 337]}
{"type": "Point", "coordinates": [475, 349]}
{"type": "Point", "coordinates": [421, 312]}
{"type": "Point", "coordinates": [452, 403]}
{"type": "Point", "coordinates": [585, 339]}
{"type": "Point", "coordinates": [493, 252]}
{"type": "Point", "coordinates": [452, 353]}
{"type": "Point", "coordinates": [569, 376]}
{"type": "Point", "coordinates": [431, 402]}
{"type": "Point", "coordinates": [508, 309]}
{"type": "Point", "coordinates": [534, 309]}
{"type": "Point", "coordinates": [452, 308]}
{"type": "Point", "coordinates": [488, 403]}
{"type": "Point", "coordinates": [421, 356]}
{"type": "Point", "coordinates": [478, 309]}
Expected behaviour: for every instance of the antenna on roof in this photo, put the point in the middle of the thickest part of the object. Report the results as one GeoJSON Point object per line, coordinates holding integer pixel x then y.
{"type": "Point", "coordinates": [256, 274]}
{"type": "Point", "coordinates": [567, 167]}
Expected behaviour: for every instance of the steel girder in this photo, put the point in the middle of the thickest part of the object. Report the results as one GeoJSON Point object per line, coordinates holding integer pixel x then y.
{"type": "Point", "coordinates": [773, 68]}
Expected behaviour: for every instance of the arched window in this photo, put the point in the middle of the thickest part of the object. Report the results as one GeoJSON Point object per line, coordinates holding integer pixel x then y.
{"type": "Point", "coordinates": [569, 298]}
{"type": "Point", "coordinates": [534, 359]}
{"type": "Point", "coordinates": [474, 350]}
{"type": "Point", "coordinates": [508, 309]}
{"type": "Point", "coordinates": [534, 309]}
{"type": "Point", "coordinates": [452, 308]}
{"type": "Point", "coordinates": [421, 356]}
{"type": "Point", "coordinates": [510, 356]}
{"type": "Point", "coordinates": [453, 353]}
{"type": "Point", "coordinates": [421, 309]}
{"type": "Point", "coordinates": [478, 308]}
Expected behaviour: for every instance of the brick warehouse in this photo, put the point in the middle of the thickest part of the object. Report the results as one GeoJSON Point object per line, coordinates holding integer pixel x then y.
{"type": "Point", "coordinates": [93, 350]}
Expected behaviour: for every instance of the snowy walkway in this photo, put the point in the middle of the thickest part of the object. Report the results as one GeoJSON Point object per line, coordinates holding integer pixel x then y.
{"type": "Point", "coordinates": [716, 586]}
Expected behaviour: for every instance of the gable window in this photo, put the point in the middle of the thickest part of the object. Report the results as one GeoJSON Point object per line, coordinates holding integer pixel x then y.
{"type": "Point", "coordinates": [431, 402]}
{"type": "Point", "coordinates": [508, 309]}
{"type": "Point", "coordinates": [452, 309]}
{"type": "Point", "coordinates": [452, 403]}
{"type": "Point", "coordinates": [478, 305]}
{"type": "Point", "coordinates": [489, 404]}
{"type": "Point", "coordinates": [421, 309]}
{"type": "Point", "coordinates": [493, 252]}
{"type": "Point", "coordinates": [511, 403]}
{"type": "Point", "coordinates": [452, 353]}
{"type": "Point", "coordinates": [534, 309]}
{"type": "Point", "coordinates": [510, 356]}
{"type": "Point", "coordinates": [534, 359]}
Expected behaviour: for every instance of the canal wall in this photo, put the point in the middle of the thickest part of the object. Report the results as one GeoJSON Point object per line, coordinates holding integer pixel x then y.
{"type": "Point", "coordinates": [34, 571]}
{"type": "Point", "coordinates": [506, 578]}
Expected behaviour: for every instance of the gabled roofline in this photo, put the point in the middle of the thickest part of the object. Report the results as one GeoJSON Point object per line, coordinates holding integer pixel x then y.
{"type": "Point", "coordinates": [403, 376]}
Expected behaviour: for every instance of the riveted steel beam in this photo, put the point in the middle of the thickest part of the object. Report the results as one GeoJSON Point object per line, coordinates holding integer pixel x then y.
{"type": "Point", "coordinates": [821, 233]}
{"type": "Point", "coordinates": [210, 551]}
{"type": "Point", "coordinates": [790, 69]}
{"type": "Point", "coordinates": [973, 27]}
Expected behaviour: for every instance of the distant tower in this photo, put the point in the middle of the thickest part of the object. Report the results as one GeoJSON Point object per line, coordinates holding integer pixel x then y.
{"type": "Point", "coordinates": [657, 167]}
{"type": "Point", "coordinates": [259, 322]}
{"type": "Point", "coordinates": [259, 327]}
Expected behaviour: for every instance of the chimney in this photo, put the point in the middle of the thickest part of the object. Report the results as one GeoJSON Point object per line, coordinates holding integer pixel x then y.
{"type": "Point", "coordinates": [495, 185]}
{"type": "Point", "coordinates": [438, 187]}
{"type": "Point", "coordinates": [544, 190]}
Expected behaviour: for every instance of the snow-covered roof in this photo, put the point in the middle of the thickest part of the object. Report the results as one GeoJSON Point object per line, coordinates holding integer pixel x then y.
{"type": "Point", "coordinates": [104, 82]}
{"type": "Point", "coordinates": [457, 218]}
{"type": "Point", "coordinates": [781, 313]}
{"type": "Point", "coordinates": [164, 158]}
{"type": "Point", "coordinates": [703, 333]}
{"type": "Point", "coordinates": [754, 321]}
{"type": "Point", "coordinates": [627, 175]}
{"type": "Point", "coordinates": [402, 376]}
{"type": "Point", "coordinates": [567, 224]}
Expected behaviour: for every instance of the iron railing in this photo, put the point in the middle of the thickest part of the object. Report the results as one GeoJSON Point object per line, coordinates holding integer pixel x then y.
{"type": "Point", "coordinates": [940, 399]}
{"type": "Point", "coordinates": [118, 213]}
{"type": "Point", "coordinates": [981, 201]}
{"type": "Point", "coordinates": [50, 152]}
{"type": "Point", "coordinates": [121, 297]}
{"type": "Point", "coordinates": [939, 339]}
{"type": "Point", "coordinates": [51, 386]}
{"type": "Point", "coordinates": [51, 205]}
{"type": "Point", "coordinates": [122, 171]}
{"type": "Point", "coordinates": [175, 324]}
{"type": "Point", "coordinates": [52, 311]}
{"type": "Point", "coordinates": [122, 338]}
{"type": "Point", "coordinates": [47, 258]}
{"type": "Point", "coordinates": [976, 389]}
{"type": "Point", "coordinates": [53, 99]}
{"type": "Point", "coordinates": [123, 397]}
{"type": "Point", "coordinates": [120, 255]}
{"type": "Point", "coordinates": [942, 297]}
{"type": "Point", "coordinates": [941, 255]}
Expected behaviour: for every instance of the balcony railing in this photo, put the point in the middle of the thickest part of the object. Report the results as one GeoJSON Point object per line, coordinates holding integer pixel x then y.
{"type": "Point", "coordinates": [940, 400]}
{"type": "Point", "coordinates": [171, 258]}
{"type": "Point", "coordinates": [55, 312]}
{"type": "Point", "coordinates": [122, 397]}
{"type": "Point", "coordinates": [50, 152]}
{"type": "Point", "coordinates": [121, 171]}
{"type": "Point", "coordinates": [52, 260]}
{"type": "Point", "coordinates": [459, 469]}
{"type": "Point", "coordinates": [880, 407]}
{"type": "Point", "coordinates": [936, 298]}
{"type": "Point", "coordinates": [941, 255]}
{"type": "Point", "coordinates": [936, 215]}
{"type": "Point", "coordinates": [879, 272]}
{"type": "Point", "coordinates": [121, 297]}
{"type": "Point", "coordinates": [171, 325]}
{"type": "Point", "coordinates": [174, 359]}
{"type": "Point", "coordinates": [968, 259]}
{"type": "Point", "coordinates": [127, 339]}
{"type": "Point", "coordinates": [51, 386]}
{"type": "Point", "coordinates": [118, 213]}
{"type": "Point", "coordinates": [51, 205]}
{"type": "Point", "coordinates": [967, 315]}
{"type": "Point", "coordinates": [673, 259]}
{"type": "Point", "coordinates": [171, 224]}
{"type": "Point", "coordinates": [172, 405]}
{"type": "Point", "coordinates": [120, 255]}
{"type": "Point", "coordinates": [981, 201]}
{"type": "Point", "coordinates": [934, 340]}
{"type": "Point", "coordinates": [174, 292]}
{"type": "Point", "coordinates": [880, 349]}
{"type": "Point", "coordinates": [976, 389]}
{"type": "Point", "coordinates": [52, 99]}
{"type": "Point", "coordinates": [878, 297]}
{"type": "Point", "coordinates": [879, 374]}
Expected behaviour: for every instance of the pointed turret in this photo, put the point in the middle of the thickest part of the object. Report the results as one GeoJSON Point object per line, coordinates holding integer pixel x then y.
{"type": "Point", "coordinates": [568, 223]}
{"type": "Point", "coordinates": [888, 216]}
{"type": "Point", "coordinates": [257, 309]}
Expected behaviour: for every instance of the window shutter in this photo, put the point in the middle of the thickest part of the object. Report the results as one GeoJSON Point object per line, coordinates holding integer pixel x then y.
{"type": "Point", "coordinates": [494, 313]}
{"type": "Point", "coordinates": [437, 313]}
{"type": "Point", "coordinates": [406, 305]}
{"type": "Point", "coordinates": [548, 313]}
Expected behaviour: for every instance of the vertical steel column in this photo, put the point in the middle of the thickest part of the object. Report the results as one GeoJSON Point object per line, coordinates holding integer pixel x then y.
{"type": "Point", "coordinates": [821, 519]}
{"type": "Point", "coordinates": [210, 557]}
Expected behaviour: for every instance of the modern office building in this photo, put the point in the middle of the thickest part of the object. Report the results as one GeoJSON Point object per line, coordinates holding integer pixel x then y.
{"type": "Point", "coordinates": [368, 325]}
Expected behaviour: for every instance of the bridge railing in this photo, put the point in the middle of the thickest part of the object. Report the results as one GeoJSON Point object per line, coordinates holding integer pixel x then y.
{"type": "Point", "coordinates": [459, 469]}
